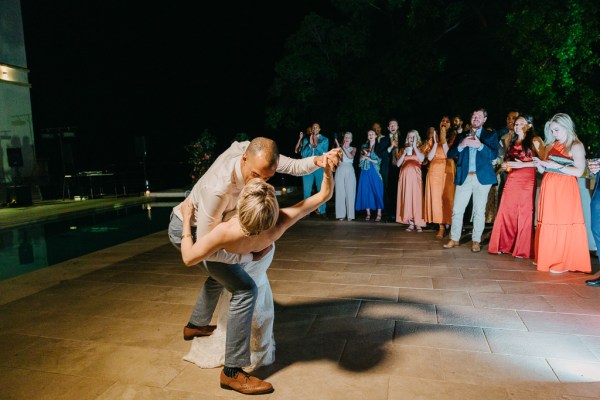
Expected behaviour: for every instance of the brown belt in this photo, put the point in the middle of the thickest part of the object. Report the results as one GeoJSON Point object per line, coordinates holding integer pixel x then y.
{"type": "Point", "coordinates": [473, 173]}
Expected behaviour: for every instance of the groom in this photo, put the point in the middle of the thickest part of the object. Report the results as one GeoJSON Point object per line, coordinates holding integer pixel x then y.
{"type": "Point", "coordinates": [214, 198]}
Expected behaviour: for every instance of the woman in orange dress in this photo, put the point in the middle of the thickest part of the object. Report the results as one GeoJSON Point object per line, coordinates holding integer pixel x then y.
{"type": "Point", "coordinates": [409, 209]}
{"type": "Point", "coordinates": [439, 186]}
{"type": "Point", "coordinates": [513, 226]}
{"type": "Point", "coordinates": [561, 237]}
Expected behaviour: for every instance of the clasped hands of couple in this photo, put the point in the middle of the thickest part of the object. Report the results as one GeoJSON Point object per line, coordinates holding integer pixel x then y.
{"type": "Point", "coordinates": [331, 158]}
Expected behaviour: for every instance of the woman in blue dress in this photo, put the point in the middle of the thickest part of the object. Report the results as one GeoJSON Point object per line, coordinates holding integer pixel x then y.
{"type": "Point", "coordinates": [370, 184]}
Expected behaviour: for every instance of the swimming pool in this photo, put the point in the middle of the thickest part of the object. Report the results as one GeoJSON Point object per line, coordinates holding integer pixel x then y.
{"type": "Point", "coordinates": [32, 247]}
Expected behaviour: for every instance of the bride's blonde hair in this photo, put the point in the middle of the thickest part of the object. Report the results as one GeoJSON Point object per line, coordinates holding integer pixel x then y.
{"type": "Point", "coordinates": [257, 207]}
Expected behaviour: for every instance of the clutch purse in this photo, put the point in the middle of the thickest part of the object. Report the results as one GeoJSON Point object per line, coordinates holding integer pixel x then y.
{"type": "Point", "coordinates": [561, 160]}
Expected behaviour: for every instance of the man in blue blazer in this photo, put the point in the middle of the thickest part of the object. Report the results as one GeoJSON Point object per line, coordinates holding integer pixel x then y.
{"type": "Point", "coordinates": [473, 152]}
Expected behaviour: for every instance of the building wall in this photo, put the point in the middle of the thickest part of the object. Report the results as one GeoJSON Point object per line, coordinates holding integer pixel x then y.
{"type": "Point", "coordinates": [16, 129]}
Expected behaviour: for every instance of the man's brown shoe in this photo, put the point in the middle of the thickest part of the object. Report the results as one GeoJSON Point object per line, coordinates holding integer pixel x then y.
{"type": "Point", "coordinates": [452, 243]}
{"type": "Point", "coordinates": [475, 247]}
{"type": "Point", "coordinates": [244, 383]}
{"type": "Point", "coordinates": [191, 332]}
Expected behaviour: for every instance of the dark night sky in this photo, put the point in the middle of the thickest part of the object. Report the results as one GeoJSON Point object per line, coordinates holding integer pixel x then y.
{"type": "Point", "coordinates": [120, 69]}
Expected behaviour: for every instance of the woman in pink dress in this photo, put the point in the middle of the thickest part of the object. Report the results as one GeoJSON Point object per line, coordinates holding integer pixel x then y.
{"type": "Point", "coordinates": [513, 227]}
{"type": "Point", "coordinates": [409, 208]}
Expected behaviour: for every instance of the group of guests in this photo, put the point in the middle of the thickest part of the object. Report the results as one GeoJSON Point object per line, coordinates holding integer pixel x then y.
{"type": "Point", "coordinates": [456, 174]}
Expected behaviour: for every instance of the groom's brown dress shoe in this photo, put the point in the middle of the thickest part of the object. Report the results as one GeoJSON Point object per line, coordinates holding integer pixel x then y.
{"type": "Point", "coordinates": [451, 243]}
{"type": "Point", "coordinates": [244, 383]}
{"type": "Point", "coordinates": [190, 332]}
{"type": "Point", "coordinates": [593, 282]}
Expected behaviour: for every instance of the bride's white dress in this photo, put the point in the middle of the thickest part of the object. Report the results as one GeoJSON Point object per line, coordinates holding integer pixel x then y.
{"type": "Point", "coordinates": [209, 351]}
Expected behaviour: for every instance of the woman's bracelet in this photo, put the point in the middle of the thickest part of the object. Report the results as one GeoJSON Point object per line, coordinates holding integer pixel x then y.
{"type": "Point", "coordinates": [186, 235]}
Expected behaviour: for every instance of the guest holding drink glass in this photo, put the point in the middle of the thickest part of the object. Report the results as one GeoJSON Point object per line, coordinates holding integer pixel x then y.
{"type": "Point", "coordinates": [513, 227]}
{"type": "Point", "coordinates": [370, 184]}
{"type": "Point", "coordinates": [409, 208]}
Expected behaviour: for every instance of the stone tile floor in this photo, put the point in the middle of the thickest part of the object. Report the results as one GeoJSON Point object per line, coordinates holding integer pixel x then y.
{"type": "Point", "coordinates": [364, 310]}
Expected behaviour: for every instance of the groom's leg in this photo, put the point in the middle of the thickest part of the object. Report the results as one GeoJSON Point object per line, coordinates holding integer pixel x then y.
{"type": "Point", "coordinates": [239, 325]}
{"type": "Point", "coordinates": [207, 301]}
{"type": "Point", "coordinates": [241, 307]}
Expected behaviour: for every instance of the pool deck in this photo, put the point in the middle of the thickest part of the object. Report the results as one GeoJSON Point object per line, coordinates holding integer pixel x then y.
{"type": "Point", "coordinates": [43, 211]}
{"type": "Point", "coordinates": [364, 310]}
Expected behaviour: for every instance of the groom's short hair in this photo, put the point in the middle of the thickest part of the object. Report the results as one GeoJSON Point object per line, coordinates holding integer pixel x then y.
{"type": "Point", "coordinates": [267, 147]}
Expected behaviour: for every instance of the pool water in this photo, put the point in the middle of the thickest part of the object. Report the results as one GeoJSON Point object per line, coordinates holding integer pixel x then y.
{"type": "Point", "coordinates": [32, 247]}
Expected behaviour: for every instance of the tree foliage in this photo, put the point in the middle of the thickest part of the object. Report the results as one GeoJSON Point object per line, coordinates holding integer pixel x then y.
{"type": "Point", "coordinates": [556, 53]}
{"type": "Point", "coordinates": [201, 154]}
{"type": "Point", "coordinates": [418, 59]}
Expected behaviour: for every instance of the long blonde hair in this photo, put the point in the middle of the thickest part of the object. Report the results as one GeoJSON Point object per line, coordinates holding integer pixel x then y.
{"type": "Point", "coordinates": [257, 207]}
{"type": "Point", "coordinates": [417, 136]}
{"type": "Point", "coordinates": [567, 123]}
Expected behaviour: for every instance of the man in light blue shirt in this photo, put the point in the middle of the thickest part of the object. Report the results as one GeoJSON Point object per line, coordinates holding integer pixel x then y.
{"type": "Point", "coordinates": [473, 152]}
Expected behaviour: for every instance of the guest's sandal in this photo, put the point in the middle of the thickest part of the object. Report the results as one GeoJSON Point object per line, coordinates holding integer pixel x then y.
{"type": "Point", "coordinates": [419, 229]}
{"type": "Point", "coordinates": [378, 218]}
{"type": "Point", "coordinates": [368, 217]}
{"type": "Point", "coordinates": [410, 228]}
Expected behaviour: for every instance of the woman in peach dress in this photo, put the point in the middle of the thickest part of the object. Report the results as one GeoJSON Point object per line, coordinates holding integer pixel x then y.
{"type": "Point", "coordinates": [409, 208]}
{"type": "Point", "coordinates": [561, 237]}
{"type": "Point", "coordinates": [439, 187]}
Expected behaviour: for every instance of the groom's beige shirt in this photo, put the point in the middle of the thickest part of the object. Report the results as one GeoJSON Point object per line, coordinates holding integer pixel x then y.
{"type": "Point", "coordinates": [215, 195]}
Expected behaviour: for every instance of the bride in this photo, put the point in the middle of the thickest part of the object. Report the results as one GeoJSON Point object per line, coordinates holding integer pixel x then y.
{"type": "Point", "coordinates": [258, 224]}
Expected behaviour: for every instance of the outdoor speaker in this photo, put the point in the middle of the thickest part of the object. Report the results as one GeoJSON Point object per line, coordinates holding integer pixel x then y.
{"type": "Point", "coordinates": [15, 157]}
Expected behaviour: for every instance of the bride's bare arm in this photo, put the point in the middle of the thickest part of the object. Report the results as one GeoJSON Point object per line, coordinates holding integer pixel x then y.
{"type": "Point", "coordinates": [218, 238]}
{"type": "Point", "coordinates": [290, 215]}
{"type": "Point", "coordinates": [228, 235]}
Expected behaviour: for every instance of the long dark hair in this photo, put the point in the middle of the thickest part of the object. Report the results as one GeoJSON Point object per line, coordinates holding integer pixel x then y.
{"type": "Point", "coordinates": [529, 134]}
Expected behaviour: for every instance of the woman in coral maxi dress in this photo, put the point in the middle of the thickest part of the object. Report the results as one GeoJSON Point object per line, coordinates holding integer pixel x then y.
{"type": "Point", "coordinates": [513, 227]}
{"type": "Point", "coordinates": [561, 237]}
{"type": "Point", "coordinates": [439, 186]}
{"type": "Point", "coordinates": [409, 208]}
